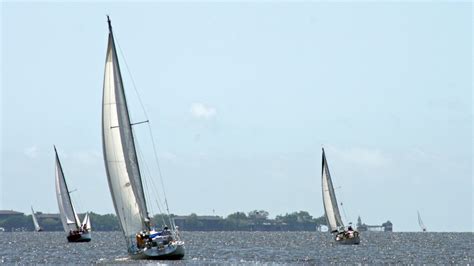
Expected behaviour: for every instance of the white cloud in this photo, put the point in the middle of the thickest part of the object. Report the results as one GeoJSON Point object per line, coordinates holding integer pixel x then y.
{"type": "Point", "coordinates": [31, 152]}
{"type": "Point", "coordinates": [362, 156]}
{"type": "Point", "coordinates": [87, 157]}
{"type": "Point", "coordinates": [202, 111]}
{"type": "Point", "coordinates": [421, 155]}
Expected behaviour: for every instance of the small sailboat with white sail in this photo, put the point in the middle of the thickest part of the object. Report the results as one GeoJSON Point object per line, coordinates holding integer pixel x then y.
{"type": "Point", "coordinates": [420, 222]}
{"type": "Point", "coordinates": [86, 223]}
{"type": "Point", "coordinates": [333, 217]}
{"type": "Point", "coordinates": [77, 232]}
{"type": "Point", "coordinates": [124, 175]}
{"type": "Point", "coordinates": [35, 221]}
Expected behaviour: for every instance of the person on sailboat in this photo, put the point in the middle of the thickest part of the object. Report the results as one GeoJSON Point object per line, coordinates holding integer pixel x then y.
{"type": "Point", "coordinates": [166, 231]}
{"type": "Point", "coordinates": [147, 222]}
{"type": "Point", "coordinates": [349, 233]}
{"type": "Point", "coordinates": [140, 240]}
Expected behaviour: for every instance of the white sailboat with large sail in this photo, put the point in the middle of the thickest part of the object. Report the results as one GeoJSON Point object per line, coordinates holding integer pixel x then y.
{"type": "Point", "coordinates": [331, 209]}
{"type": "Point", "coordinates": [35, 221]}
{"type": "Point", "coordinates": [123, 171]}
{"type": "Point", "coordinates": [77, 232]}
{"type": "Point", "coordinates": [420, 222]}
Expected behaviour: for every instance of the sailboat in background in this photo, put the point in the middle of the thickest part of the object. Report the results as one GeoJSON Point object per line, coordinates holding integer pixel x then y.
{"type": "Point", "coordinates": [420, 222]}
{"type": "Point", "coordinates": [123, 172]}
{"type": "Point", "coordinates": [86, 223]}
{"type": "Point", "coordinates": [331, 210]}
{"type": "Point", "coordinates": [35, 221]}
{"type": "Point", "coordinates": [77, 232]}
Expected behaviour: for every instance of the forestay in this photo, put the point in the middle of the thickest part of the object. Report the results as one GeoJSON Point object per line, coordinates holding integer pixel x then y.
{"type": "Point", "coordinates": [119, 149]}
{"type": "Point", "coordinates": [329, 198]}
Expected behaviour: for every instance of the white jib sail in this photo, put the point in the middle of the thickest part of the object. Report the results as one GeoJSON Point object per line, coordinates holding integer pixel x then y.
{"type": "Point", "coordinates": [329, 198]}
{"type": "Point", "coordinates": [119, 150]}
{"type": "Point", "coordinates": [35, 221]}
{"type": "Point", "coordinates": [86, 222]}
{"type": "Point", "coordinates": [68, 215]}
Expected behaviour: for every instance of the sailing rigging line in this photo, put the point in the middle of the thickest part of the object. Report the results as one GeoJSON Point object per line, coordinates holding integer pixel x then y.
{"type": "Point", "coordinates": [150, 131]}
{"type": "Point", "coordinates": [78, 202]}
{"type": "Point", "coordinates": [344, 211]}
{"type": "Point", "coordinates": [153, 185]}
{"type": "Point", "coordinates": [144, 174]}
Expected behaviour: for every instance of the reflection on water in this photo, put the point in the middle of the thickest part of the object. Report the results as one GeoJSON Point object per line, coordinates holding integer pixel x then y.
{"type": "Point", "coordinates": [248, 248]}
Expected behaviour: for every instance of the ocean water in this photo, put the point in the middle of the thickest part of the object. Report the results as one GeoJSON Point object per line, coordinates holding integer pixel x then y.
{"type": "Point", "coordinates": [247, 248]}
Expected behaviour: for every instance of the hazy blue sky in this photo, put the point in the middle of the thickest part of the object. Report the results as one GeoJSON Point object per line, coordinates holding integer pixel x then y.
{"type": "Point", "coordinates": [241, 97]}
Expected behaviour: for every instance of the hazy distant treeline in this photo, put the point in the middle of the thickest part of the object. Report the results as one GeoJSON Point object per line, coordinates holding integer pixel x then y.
{"type": "Point", "coordinates": [239, 221]}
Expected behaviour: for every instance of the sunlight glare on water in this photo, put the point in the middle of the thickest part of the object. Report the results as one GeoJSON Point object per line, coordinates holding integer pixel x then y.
{"type": "Point", "coordinates": [248, 248]}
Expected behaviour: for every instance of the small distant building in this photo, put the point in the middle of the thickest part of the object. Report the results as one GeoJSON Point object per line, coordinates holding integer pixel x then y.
{"type": "Point", "coordinates": [9, 213]}
{"type": "Point", "coordinates": [385, 227]}
{"type": "Point", "coordinates": [388, 226]}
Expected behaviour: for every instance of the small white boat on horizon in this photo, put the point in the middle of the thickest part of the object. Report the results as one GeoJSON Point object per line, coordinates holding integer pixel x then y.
{"type": "Point", "coordinates": [420, 223]}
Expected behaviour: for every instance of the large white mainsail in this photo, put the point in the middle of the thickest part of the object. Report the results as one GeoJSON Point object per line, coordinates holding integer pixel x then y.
{"type": "Point", "coordinates": [35, 221]}
{"type": "Point", "coordinates": [68, 215]}
{"type": "Point", "coordinates": [331, 208]}
{"type": "Point", "coordinates": [120, 157]}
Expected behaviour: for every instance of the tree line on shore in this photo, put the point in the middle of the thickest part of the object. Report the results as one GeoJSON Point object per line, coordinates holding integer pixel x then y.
{"type": "Point", "coordinates": [256, 220]}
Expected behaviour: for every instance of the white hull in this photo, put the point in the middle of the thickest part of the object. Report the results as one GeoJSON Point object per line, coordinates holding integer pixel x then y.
{"type": "Point", "coordinates": [172, 251]}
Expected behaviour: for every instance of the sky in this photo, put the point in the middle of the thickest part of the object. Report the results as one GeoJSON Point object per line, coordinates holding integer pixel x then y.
{"type": "Point", "coordinates": [241, 97]}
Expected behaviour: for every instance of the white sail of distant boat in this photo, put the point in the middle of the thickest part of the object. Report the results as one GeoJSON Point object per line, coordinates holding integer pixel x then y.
{"type": "Point", "coordinates": [123, 171]}
{"type": "Point", "coordinates": [331, 209]}
{"type": "Point", "coordinates": [35, 221]}
{"type": "Point", "coordinates": [420, 222]}
{"type": "Point", "coordinates": [86, 223]}
{"type": "Point", "coordinates": [67, 213]}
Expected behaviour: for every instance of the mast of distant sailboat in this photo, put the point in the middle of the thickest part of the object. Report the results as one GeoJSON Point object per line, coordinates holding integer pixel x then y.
{"type": "Point", "coordinates": [420, 222]}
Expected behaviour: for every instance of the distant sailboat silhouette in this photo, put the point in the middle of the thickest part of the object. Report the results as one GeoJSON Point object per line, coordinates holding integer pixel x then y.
{"type": "Point", "coordinates": [331, 209]}
{"type": "Point", "coordinates": [420, 222]}
{"type": "Point", "coordinates": [123, 171]}
{"type": "Point", "coordinates": [77, 232]}
{"type": "Point", "coordinates": [35, 221]}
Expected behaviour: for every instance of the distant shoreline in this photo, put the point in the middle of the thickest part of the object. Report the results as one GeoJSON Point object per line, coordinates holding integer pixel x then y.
{"type": "Point", "coordinates": [256, 220]}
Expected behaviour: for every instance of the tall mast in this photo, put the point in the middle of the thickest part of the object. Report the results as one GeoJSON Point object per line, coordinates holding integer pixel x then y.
{"type": "Point", "coordinates": [110, 24]}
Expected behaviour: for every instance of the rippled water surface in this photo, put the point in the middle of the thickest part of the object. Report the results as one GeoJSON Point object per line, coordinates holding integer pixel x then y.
{"type": "Point", "coordinates": [248, 248]}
